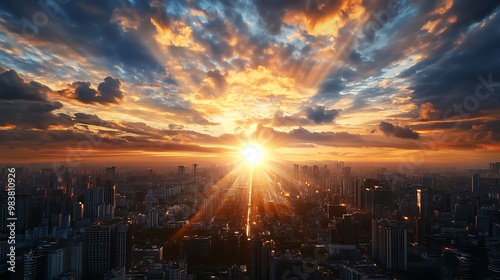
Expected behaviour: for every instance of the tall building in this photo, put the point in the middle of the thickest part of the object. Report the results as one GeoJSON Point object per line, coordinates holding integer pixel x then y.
{"type": "Point", "coordinates": [153, 217]}
{"type": "Point", "coordinates": [475, 183]}
{"type": "Point", "coordinates": [304, 170]}
{"type": "Point", "coordinates": [100, 202]}
{"type": "Point", "coordinates": [3, 218]}
{"type": "Point", "coordinates": [424, 203]}
{"type": "Point", "coordinates": [195, 172]}
{"type": "Point", "coordinates": [390, 244]}
{"type": "Point", "coordinates": [260, 255]}
{"type": "Point", "coordinates": [349, 231]}
{"type": "Point", "coordinates": [122, 249]}
{"type": "Point", "coordinates": [495, 167]}
{"type": "Point", "coordinates": [428, 181]}
{"type": "Point", "coordinates": [196, 249]}
{"type": "Point", "coordinates": [111, 173]}
{"type": "Point", "coordinates": [286, 266]}
{"type": "Point", "coordinates": [346, 171]}
{"type": "Point", "coordinates": [54, 263]}
{"type": "Point", "coordinates": [315, 170]}
{"type": "Point", "coordinates": [494, 260]}
{"type": "Point", "coordinates": [482, 224]}
{"type": "Point", "coordinates": [335, 210]}
{"type": "Point", "coordinates": [235, 273]}
{"type": "Point", "coordinates": [34, 265]}
{"type": "Point", "coordinates": [181, 172]}
{"type": "Point", "coordinates": [75, 257]}
{"type": "Point", "coordinates": [97, 252]}
{"type": "Point", "coordinates": [177, 271]}
{"type": "Point", "coordinates": [379, 199]}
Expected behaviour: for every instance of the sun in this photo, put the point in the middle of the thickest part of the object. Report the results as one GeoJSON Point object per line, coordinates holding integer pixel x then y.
{"type": "Point", "coordinates": [253, 154]}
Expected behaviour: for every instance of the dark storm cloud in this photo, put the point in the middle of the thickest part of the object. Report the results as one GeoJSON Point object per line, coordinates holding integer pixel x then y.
{"type": "Point", "coordinates": [90, 119]}
{"type": "Point", "coordinates": [398, 131]}
{"type": "Point", "coordinates": [331, 88]}
{"type": "Point", "coordinates": [465, 50]}
{"type": "Point", "coordinates": [320, 115]}
{"type": "Point", "coordinates": [25, 104]}
{"type": "Point", "coordinates": [32, 114]}
{"type": "Point", "coordinates": [13, 87]}
{"type": "Point", "coordinates": [110, 91]}
{"type": "Point", "coordinates": [107, 92]}
{"type": "Point", "coordinates": [88, 28]}
{"type": "Point", "coordinates": [335, 82]}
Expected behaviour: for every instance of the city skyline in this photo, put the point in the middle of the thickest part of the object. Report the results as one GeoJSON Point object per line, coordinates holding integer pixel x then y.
{"type": "Point", "coordinates": [389, 82]}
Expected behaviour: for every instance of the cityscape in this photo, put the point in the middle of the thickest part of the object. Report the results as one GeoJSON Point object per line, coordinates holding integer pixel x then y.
{"type": "Point", "coordinates": [254, 220]}
{"type": "Point", "coordinates": [249, 139]}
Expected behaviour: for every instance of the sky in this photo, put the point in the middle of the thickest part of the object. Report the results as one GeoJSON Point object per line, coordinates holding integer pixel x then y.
{"type": "Point", "coordinates": [412, 82]}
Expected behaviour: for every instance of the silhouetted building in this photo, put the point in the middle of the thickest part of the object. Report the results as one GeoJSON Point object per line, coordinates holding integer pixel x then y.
{"type": "Point", "coordinates": [181, 172]}
{"type": "Point", "coordinates": [34, 265]}
{"type": "Point", "coordinates": [390, 245]}
{"type": "Point", "coordinates": [336, 210]}
{"type": "Point", "coordinates": [196, 249]}
{"type": "Point", "coordinates": [195, 172]}
{"type": "Point", "coordinates": [379, 199]}
{"type": "Point", "coordinates": [424, 203]}
{"type": "Point", "coordinates": [285, 266]}
{"type": "Point", "coordinates": [349, 232]}
{"type": "Point", "coordinates": [121, 246]}
{"type": "Point", "coordinates": [260, 256]}
{"type": "Point", "coordinates": [97, 252]}
{"type": "Point", "coordinates": [475, 183]}
{"type": "Point", "coordinates": [495, 167]}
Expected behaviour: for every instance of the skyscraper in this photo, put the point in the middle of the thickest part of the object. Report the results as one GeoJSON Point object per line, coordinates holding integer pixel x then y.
{"type": "Point", "coordinates": [97, 252]}
{"type": "Point", "coordinates": [195, 172]}
{"type": "Point", "coordinates": [390, 245]}
{"type": "Point", "coordinates": [495, 167]}
{"type": "Point", "coordinates": [424, 203]}
{"type": "Point", "coordinates": [121, 247]}
{"type": "Point", "coordinates": [153, 217]}
{"type": "Point", "coordinates": [475, 183]}
{"type": "Point", "coordinates": [181, 172]}
{"type": "Point", "coordinates": [260, 256]}
{"type": "Point", "coordinates": [33, 265]}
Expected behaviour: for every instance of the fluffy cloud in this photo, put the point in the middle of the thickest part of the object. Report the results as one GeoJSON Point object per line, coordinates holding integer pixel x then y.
{"type": "Point", "coordinates": [108, 92]}
{"type": "Point", "coordinates": [25, 104]}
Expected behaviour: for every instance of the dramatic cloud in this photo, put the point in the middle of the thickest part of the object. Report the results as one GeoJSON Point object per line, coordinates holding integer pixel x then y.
{"type": "Point", "coordinates": [308, 116]}
{"type": "Point", "coordinates": [397, 131]}
{"type": "Point", "coordinates": [315, 76]}
{"type": "Point", "coordinates": [107, 92]}
{"type": "Point", "coordinates": [320, 115]}
{"type": "Point", "coordinates": [13, 87]}
{"type": "Point", "coordinates": [25, 104]}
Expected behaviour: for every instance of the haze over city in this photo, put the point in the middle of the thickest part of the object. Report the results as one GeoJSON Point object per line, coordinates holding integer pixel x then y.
{"type": "Point", "coordinates": [249, 139]}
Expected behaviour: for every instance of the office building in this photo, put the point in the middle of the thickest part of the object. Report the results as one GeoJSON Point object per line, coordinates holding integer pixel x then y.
{"type": "Point", "coordinates": [97, 252]}
{"type": "Point", "coordinates": [390, 245]}
{"type": "Point", "coordinates": [153, 217]}
{"type": "Point", "coordinates": [260, 257]}
{"type": "Point", "coordinates": [181, 172]}
{"type": "Point", "coordinates": [424, 203]}
{"type": "Point", "coordinates": [121, 251]}
{"type": "Point", "coordinates": [475, 183]}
